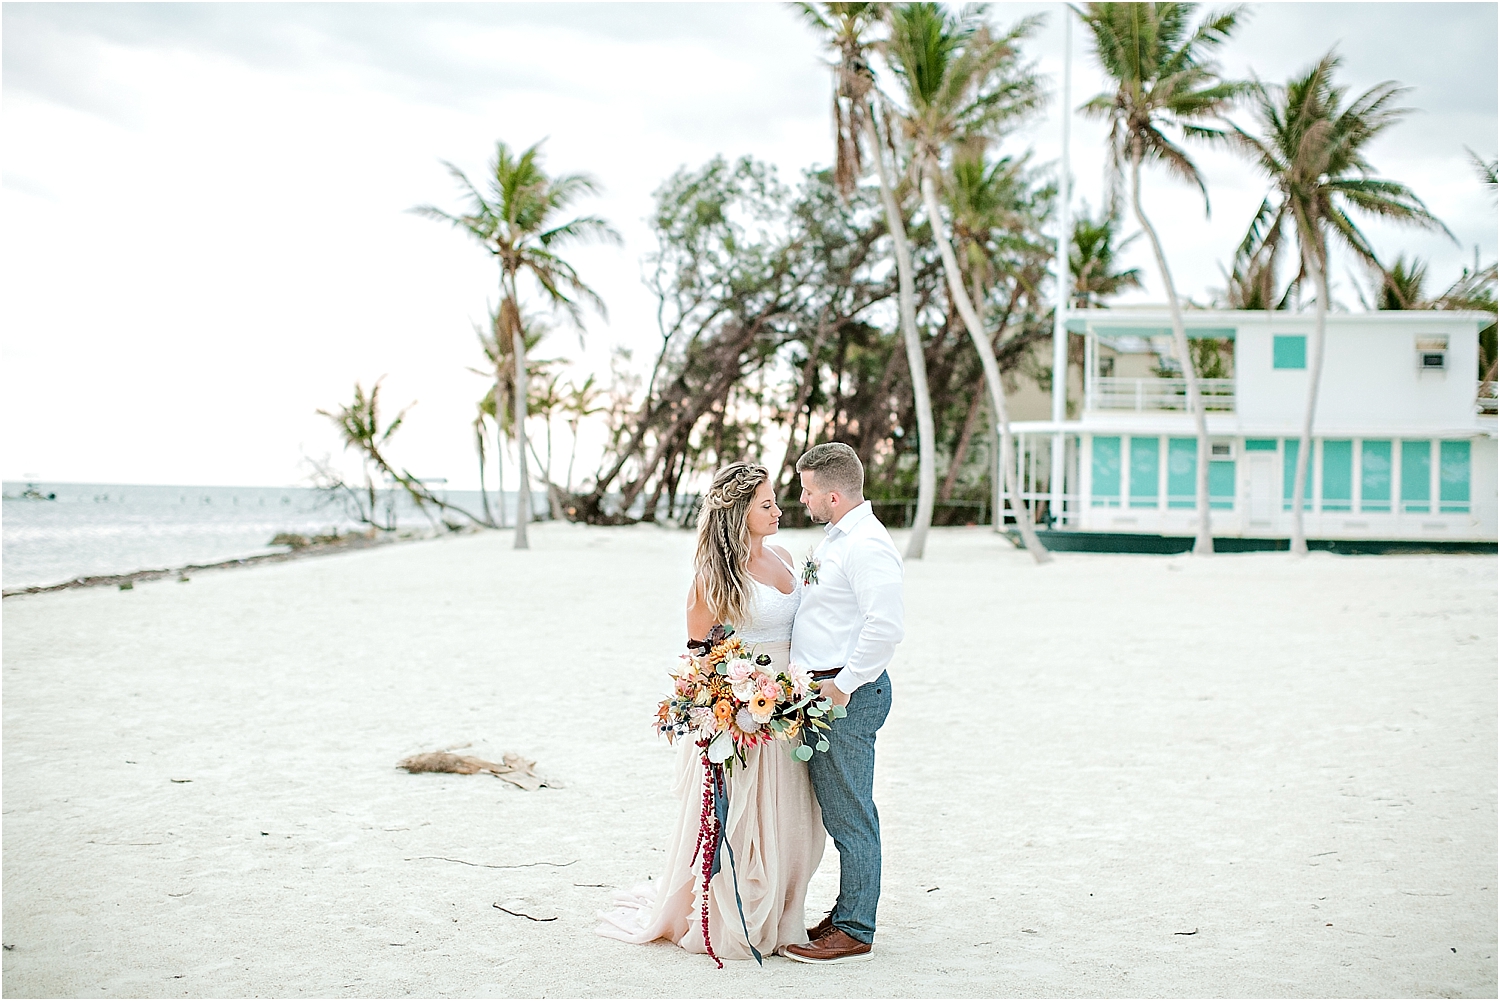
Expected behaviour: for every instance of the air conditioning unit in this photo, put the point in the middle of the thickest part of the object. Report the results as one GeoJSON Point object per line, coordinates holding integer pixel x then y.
{"type": "Point", "coordinates": [1432, 354]}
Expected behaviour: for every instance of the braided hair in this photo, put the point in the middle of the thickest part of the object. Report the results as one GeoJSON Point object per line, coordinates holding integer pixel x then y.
{"type": "Point", "coordinates": [722, 561]}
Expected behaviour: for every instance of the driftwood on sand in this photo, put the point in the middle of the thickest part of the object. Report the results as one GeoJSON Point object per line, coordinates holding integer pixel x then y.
{"type": "Point", "coordinates": [518, 771]}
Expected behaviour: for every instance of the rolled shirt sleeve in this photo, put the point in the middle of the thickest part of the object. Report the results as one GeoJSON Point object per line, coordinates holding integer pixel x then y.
{"type": "Point", "coordinates": [875, 572]}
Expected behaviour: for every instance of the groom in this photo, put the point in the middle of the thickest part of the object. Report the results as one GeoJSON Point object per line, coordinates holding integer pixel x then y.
{"type": "Point", "coordinates": [845, 633]}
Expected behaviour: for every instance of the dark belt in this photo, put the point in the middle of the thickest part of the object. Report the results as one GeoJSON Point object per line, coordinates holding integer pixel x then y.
{"type": "Point", "coordinates": [825, 675]}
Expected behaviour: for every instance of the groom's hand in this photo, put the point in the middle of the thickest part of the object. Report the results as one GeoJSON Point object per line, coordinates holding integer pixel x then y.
{"type": "Point", "coordinates": [835, 694]}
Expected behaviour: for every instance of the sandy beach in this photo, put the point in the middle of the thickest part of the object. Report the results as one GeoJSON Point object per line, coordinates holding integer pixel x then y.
{"type": "Point", "coordinates": [1114, 775]}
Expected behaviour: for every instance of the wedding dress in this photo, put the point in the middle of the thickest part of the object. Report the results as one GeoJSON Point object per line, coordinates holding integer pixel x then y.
{"type": "Point", "coordinates": [774, 828]}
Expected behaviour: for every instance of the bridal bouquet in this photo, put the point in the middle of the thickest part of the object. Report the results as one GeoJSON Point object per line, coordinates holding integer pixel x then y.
{"type": "Point", "coordinates": [727, 699]}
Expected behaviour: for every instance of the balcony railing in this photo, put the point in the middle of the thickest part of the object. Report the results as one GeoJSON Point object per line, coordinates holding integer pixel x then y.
{"type": "Point", "coordinates": [1109, 393]}
{"type": "Point", "coordinates": [1485, 399]}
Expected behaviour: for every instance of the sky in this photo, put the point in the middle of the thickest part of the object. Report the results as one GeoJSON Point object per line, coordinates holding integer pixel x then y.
{"type": "Point", "coordinates": [204, 214]}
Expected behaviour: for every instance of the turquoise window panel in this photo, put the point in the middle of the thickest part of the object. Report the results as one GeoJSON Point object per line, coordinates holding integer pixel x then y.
{"type": "Point", "coordinates": [1145, 468]}
{"type": "Point", "coordinates": [1289, 475]}
{"type": "Point", "coordinates": [1338, 475]}
{"type": "Point", "coordinates": [1182, 472]}
{"type": "Point", "coordinates": [1288, 351]}
{"type": "Point", "coordinates": [1453, 477]}
{"type": "Point", "coordinates": [1106, 469]}
{"type": "Point", "coordinates": [1416, 476]}
{"type": "Point", "coordinates": [1260, 444]}
{"type": "Point", "coordinates": [1221, 485]}
{"type": "Point", "coordinates": [1375, 475]}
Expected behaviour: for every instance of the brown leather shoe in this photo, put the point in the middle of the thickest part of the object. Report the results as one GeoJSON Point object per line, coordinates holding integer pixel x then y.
{"type": "Point", "coordinates": [834, 947]}
{"type": "Point", "coordinates": [820, 929]}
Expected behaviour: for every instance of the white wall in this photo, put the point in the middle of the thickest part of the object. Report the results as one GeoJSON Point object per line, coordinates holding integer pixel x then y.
{"type": "Point", "coordinates": [1370, 375]}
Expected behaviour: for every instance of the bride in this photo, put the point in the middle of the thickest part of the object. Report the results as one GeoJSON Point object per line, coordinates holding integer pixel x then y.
{"type": "Point", "coordinates": [774, 828]}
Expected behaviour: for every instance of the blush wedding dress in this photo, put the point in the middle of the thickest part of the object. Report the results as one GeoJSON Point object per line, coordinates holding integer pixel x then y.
{"type": "Point", "coordinates": [774, 829]}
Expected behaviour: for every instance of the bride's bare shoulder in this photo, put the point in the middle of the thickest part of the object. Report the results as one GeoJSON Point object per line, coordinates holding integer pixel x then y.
{"type": "Point", "coordinates": [700, 619]}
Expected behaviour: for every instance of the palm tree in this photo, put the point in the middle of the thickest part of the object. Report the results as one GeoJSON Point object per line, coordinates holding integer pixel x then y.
{"type": "Point", "coordinates": [961, 84]}
{"type": "Point", "coordinates": [1488, 170]}
{"type": "Point", "coordinates": [847, 29]}
{"type": "Point", "coordinates": [499, 401]}
{"type": "Point", "coordinates": [580, 402]}
{"type": "Point", "coordinates": [1403, 285]}
{"type": "Point", "coordinates": [1312, 148]}
{"type": "Point", "coordinates": [516, 220]}
{"type": "Point", "coordinates": [999, 212]}
{"type": "Point", "coordinates": [1091, 259]}
{"type": "Point", "coordinates": [1164, 82]}
{"type": "Point", "coordinates": [484, 495]}
{"type": "Point", "coordinates": [359, 425]}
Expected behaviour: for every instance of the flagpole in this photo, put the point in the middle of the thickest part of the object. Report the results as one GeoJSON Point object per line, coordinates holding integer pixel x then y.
{"type": "Point", "coordinates": [1064, 284]}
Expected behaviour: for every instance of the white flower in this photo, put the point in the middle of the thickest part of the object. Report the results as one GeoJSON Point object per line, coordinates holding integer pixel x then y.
{"type": "Point", "coordinates": [746, 721]}
{"type": "Point", "coordinates": [801, 679]}
{"type": "Point", "coordinates": [721, 749]}
{"type": "Point", "coordinates": [739, 669]}
{"type": "Point", "coordinates": [701, 718]}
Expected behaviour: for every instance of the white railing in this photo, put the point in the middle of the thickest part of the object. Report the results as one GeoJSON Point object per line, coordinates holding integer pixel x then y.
{"type": "Point", "coordinates": [1109, 393]}
{"type": "Point", "coordinates": [1485, 399]}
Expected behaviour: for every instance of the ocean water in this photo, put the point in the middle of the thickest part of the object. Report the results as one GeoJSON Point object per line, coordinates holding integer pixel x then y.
{"type": "Point", "coordinates": [100, 528]}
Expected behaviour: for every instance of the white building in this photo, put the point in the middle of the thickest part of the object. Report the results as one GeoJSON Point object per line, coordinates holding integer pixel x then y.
{"type": "Point", "coordinates": [1404, 441]}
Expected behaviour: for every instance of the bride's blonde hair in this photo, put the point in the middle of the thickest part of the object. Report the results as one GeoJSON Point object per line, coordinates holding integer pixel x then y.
{"type": "Point", "coordinates": [722, 562]}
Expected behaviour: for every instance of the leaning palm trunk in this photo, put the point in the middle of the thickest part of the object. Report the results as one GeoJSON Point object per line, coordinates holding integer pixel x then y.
{"type": "Point", "coordinates": [1204, 544]}
{"type": "Point", "coordinates": [1311, 260]}
{"type": "Point", "coordinates": [484, 496]}
{"type": "Point", "coordinates": [916, 362]}
{"type": "Point", "coordinates": [987, 361]}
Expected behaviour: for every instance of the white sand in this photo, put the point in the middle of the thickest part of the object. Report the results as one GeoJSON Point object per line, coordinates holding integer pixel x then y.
{"type": "Point", "coordinates": [1295, 759]}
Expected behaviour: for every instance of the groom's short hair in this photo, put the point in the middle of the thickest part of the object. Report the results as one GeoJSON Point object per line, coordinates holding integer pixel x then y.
{"type": "Point", "coordinates": [836, 467]}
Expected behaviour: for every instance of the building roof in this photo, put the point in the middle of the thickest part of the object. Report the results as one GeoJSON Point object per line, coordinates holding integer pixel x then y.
{"type": "Point", "coordinates": [1148, 321]}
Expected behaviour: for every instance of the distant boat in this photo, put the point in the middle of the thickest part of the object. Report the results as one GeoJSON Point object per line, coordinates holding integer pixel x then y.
{"type": "Point", "coordinates": [32, 493]}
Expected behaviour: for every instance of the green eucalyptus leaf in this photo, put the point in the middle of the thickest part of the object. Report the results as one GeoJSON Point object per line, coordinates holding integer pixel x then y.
{"type": "Point", "coordinates": [802, 752]}
{"type": "Point", "coordinates": [822, 746]}
{"type": "Point", "coordinates": [839, 712]}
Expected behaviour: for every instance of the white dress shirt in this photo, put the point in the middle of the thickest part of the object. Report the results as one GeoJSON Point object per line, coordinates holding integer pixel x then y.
{"type": "Point", "coordinates": [852, 618]}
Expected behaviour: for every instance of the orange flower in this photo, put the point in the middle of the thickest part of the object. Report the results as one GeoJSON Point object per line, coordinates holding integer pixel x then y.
{"type": "Point", "coordinates": [761, 707]}
{"type": "Point", "coordinates": [724, 651]}
{"type": "Point", "coordinates": [723, 711]}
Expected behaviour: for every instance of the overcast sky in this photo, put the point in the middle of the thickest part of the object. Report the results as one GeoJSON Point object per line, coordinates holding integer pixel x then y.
{"type": "Point", "coordinates": [203, 212]}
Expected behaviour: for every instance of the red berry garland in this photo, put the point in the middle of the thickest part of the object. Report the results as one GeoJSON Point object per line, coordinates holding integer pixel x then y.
{"type": "Point", "coordinates": [708, 844]}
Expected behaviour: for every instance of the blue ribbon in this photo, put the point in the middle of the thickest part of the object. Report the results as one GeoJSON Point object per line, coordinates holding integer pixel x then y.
{"type": "Point", "coordinates": [721, 811]}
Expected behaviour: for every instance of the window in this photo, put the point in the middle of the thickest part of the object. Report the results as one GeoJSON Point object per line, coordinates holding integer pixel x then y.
{"type": "Point", "coordinates": [1106, 488]}
{"type": "Point", "coordinates": [1289, 476]}
{"type": "Point", "coordinates": [1416, 476]}
{"type": "Point", "coordinates": [1375, 476]}
{"type": "Point", "coordinates": [1288, 351]}
{"type": "Point", "coordinates": [1145, 464]}
{"type": "Point", "coordinates": [1453, 477]}
{"type": "Point", "coordinates": [1182, 472]}
{"type": "Point", "coordinates": [1221, 485]}
{"type": "Point", "coordinates": [1338, 475]}
{"type": "Point", "coordinates": [1260, 444]}
{"type": "Point", "coordinates": [1432, 353]}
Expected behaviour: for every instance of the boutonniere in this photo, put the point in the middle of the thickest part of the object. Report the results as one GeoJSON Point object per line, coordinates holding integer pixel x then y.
{"type": "Point", "coordinates": [810, 569]}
